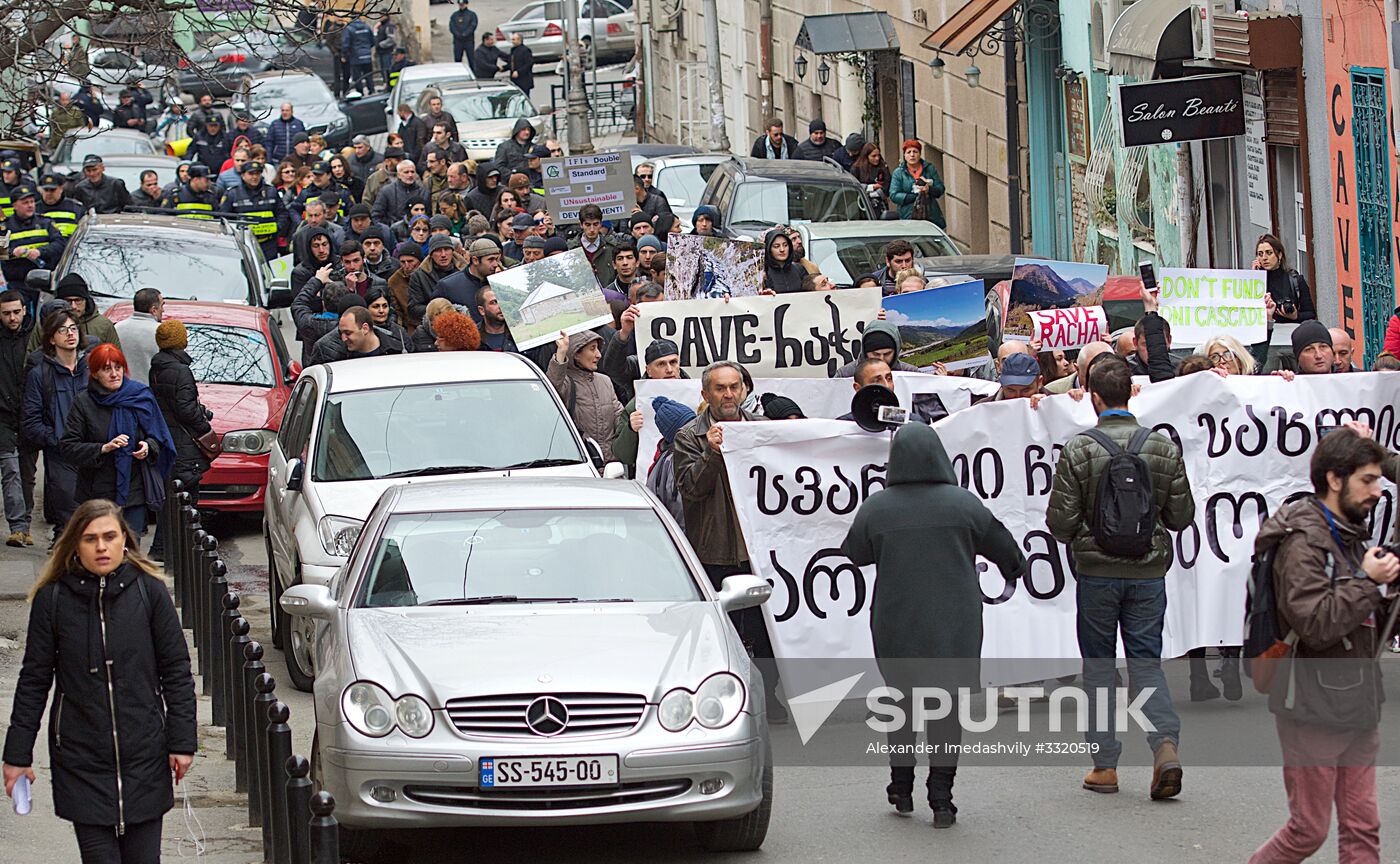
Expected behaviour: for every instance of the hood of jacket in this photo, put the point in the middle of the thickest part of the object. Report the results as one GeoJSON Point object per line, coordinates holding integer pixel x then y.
{"type": "Point", "coordinates": [707, 210]}
{"type": "Point", "coordinates": [768, 261]}
{"type": "Point", "coordinates": [482, 169]}
{"type": "Point", "coordinates": [1304, 515]}
{"type": "Point", "coordinates": [917, 456]}
{"type": "Point", "coordinates": [520, 125]}
{"type": "Point", "coordinates": [577, 343]}
{"type": "Point", "coordinates": [889, 329]}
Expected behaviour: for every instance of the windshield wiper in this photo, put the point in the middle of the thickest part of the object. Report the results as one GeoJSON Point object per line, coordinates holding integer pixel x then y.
{"type": "Point", "coordinates": [542, 463]}
{"type": "Point", "coordinates": [600, 600]}
{"type": "Point", "coordinates": [496, 598]}
{"type": "Point", "coordinates": [438, 469]}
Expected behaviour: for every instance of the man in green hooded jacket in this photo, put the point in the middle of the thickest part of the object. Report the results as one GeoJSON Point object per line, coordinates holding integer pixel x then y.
{"type": "Point", "coordinates": [926, 611]}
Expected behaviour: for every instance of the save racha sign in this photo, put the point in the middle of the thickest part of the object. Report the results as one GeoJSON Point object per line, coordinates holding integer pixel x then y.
{"type": "Point", "coordinates": [1182, 109]}
{"type": "Point", "coordinates": [1075, 327]}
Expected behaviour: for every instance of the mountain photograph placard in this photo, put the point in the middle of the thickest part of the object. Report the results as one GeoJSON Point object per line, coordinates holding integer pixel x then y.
{"type": "Point", "coordinates": [1037, 285]}
{"type": "Point", "coordinates": [945, 325]}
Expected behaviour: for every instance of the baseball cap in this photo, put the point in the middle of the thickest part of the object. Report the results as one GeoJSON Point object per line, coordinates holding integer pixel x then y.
{"type": "Point", "coordinates": [1019, 370]}
{"type": "Point", "coordinates": [22, 191]}
{"type": "Point", "coordinates": [10, 165]}
{"type": "Point", "coordinates": [522, 222]}
{"type": "Point", "coordinates": [199, 170]}
{"type": "Point", "coordinates": [493, 172]}
{"type": "Point", "coordinates": [358, 210]}
{"type": "Point", "coordinates": [252, 168]}
{"type": "Point", "coordinates": [322, 167]}
{"type": "Point", "coordinates": [91, 159]}
{"type": "Point", "coordinates": [50, 180]}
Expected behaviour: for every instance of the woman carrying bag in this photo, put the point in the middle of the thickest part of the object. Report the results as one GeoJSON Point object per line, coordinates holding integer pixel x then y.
{"type": "Point", "coordinates": [123, 717]}
{"type": "Point", "coordinates": [916, 186]}
{"type": "Point", "coordinates": [177, 394]}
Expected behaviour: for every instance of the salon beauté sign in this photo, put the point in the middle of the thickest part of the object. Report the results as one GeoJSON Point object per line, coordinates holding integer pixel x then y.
{"type": "Point", "coordinates": [1182, 109]}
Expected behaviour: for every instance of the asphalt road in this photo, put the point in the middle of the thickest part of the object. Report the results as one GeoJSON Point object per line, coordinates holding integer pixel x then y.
{"type": "Point", "coordinates": [820, 814]}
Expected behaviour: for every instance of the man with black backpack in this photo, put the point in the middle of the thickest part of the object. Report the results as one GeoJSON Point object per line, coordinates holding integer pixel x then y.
{"type": "Point", "coordinates": [1119, 488]}
{"type": "Point", "coordinates": [1325, 687]}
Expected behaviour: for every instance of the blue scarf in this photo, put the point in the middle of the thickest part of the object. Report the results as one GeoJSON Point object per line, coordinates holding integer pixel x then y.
{"type": "Point", "coordinates": [136, 415]}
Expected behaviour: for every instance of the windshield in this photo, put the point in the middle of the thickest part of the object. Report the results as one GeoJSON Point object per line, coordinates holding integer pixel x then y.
{"type": "Point", "coordinates": [182, 266]}
{"type": "Point", "coordinates": [859, 255]}
{"type": "Point", "coordinates": [404, 430]}
{"type": "Point", "coordinates": [101, 145]}
{"type": "Point", "coordinates": [774, 203]}
{"type": "Point", "coordinates": [522, 555]}
{"type": "Point", "coordinates": [131, 174]}
{"type": "Point", "coordinates": [411, 91]}
{"type": "Point", "coordinates": [268, 94]}
{"type": "Point", "coordinates": [229, 355]}
{"type": "Point", "coordinates": [683, 184]}
{"type": "Point", "coordinates": [468, 107]}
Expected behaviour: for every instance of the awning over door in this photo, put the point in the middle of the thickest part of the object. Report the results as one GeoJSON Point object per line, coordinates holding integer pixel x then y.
{"type": "Point", "coordinates": [965, 26]}
{"type": "Point", "coordinates": [1148, 33]}
{"type": "Point", "coordinates": [850, 32]}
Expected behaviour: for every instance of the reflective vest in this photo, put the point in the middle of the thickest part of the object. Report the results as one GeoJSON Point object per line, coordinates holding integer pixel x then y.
{"type": "Point", "coordinates": [65, 220]}
{"type": "Point", "coordinates": [37, 234]}
{"type": "Point", "coordinates": [265, 225]}
{"type": "Point", "coordinates": [190, 204]}
{"type": "Point", "coordinates": [6, 206]}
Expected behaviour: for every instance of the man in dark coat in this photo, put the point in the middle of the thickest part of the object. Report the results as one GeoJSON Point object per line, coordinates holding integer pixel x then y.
{"type": "Point", "coordinates": [487, 58]}
{"type": "Point", "coordinates": [777, 144]}
{"type": "Point", "coordinates": [462, 26]}
{"type": "Point", "coordinates": [513, 154]}
{"type": "Point", "coordinates": [817, 146]}
{"type": "Point", "coordinates": [482, 196]}
{"type": "Point", "coordinates": [212, 145]}
{"type": "Point", "coordinates": [414, 133]}
{"type": "Point", "coordinates": [15, 326]}
{"type": "Point", "coordinates": [357, 47]}
{"type": "Point", "coordinates": [522, 64]}
{"type": "Point", "coordinates": [98, 191]}
{"type": "Point", "coordinates": [282, 133]}
{"type": "Point", "coordinates": [918, 613]}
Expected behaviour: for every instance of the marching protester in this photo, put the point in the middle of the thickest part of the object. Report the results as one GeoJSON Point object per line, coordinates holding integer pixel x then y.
{"type": "Point", "coordinates": [424, 338]}
{"type": "Point", "coordinates": [1121, 551]}
{"type": "Point", "coordinates": [671, 416]}
{"type": "Point", "coordinates": [423, 282]}
{"type": "Point", "coordinates": [137, 332]}
{"type": "Point", "coordinates": [869, 372]}
{"type": "Point", "coordinates": [358, 334]}
{"type": "Point", "coordinates": [913, 616]}
{"type": "Point", "coordinates": [117, 439]}
{"type": "Point", "coordinates": [781, 272]}
{"type": "Point", "coordinates": [710, 521]}
{"type": "Point", "coordinates": [1329, 582]}
{"type": "Point", "coordinates": [15, 324]}
{"type": "Point", "coordinates": [456, 332]}
{"type": "Point", "coordinates": [1342, 350]}
{"type": "Point", "coordinates": [1312, 351]}
{"type": "Point", "coordinates": [587, 393]}
{"type": "Point", "coordinates": [663, 362]}
{"type": "Point", "coordinates": [118, 735]}
{"type": "Point", "coordinates": [1228, 354]}
{"type": "Point", "coordinates": [880, 341]}
{"type": "Point", "coordinates": [96, 327]}
{"type": "Point", "coordinates": [408, 255]}
{"type": "Point", "coordinates": [494, 332]}
{"type": "Point", "coordinates": [1075, 380]}
{"type": "Point", "coordinates": [177, 394]}
{"type": "Point", "coordinates": [50, 388]}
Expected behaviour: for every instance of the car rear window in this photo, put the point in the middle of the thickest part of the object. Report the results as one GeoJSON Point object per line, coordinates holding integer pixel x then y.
{"type": "Point", "coordinates": [770, 202]}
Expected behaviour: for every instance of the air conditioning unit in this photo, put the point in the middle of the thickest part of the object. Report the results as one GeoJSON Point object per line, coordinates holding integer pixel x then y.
{"type": "Point", "coordinates": [665, 15]}
{"type": "Point", "coordinates": [1203, 28]}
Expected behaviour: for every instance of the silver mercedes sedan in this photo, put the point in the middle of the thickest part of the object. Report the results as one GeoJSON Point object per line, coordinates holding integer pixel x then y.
{"type": "Point", "coordinates": [534, 652]}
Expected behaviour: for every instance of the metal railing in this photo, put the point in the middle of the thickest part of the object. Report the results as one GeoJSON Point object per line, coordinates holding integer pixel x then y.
{"type": "Point", "coordinates": [612, 107]}
{"type": "Point", "coordinates": [298, 824]}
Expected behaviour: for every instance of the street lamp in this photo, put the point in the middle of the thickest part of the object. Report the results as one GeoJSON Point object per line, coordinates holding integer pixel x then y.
{"type": "Point", "coordinates": [824, 73]}
{"type": "Point", "coordinates": [974, 76]}
{"type": "Point", "coordinates": [801, 64]}
{"type": "Point", "coordinates": [936, 66]}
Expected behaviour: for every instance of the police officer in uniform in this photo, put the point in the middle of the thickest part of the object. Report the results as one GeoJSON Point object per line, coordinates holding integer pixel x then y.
{"type": "Point", "coordinates": [35, 242]}
{"type": "Point", "coordinates": [261, 206]}
{"type": "Point", "coordinates": [11, 175]}
{"type": "Point", "coordinates": [323, 183]}
{"type": "Point", "coordinates": [401, 62]}
{"type": "Point", "coordinates": [195, 199]}
{"type": "Point", "coordinates": [63, 211]}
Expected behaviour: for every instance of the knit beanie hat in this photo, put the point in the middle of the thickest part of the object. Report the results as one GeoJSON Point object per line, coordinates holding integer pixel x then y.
{"type": "Point", "coordinates": [409, 248]}
{"type": "Point", "coordinates": [71, 286]}
{"type": "Point", "coordinates": [172, 334]}
{"type": "Point", "coordinates": [779, 407]}
{"type": "Point", "coordinates": [670, 416]}
{"type": "Point", "coordinates": [660, 348]}
{"type": "Point", "coordinates": [651, 241]}
{"type": "Point", "coordinates": [1305, 334]}
{"type": "Point", "coordinates": [875, 340]}
{"type": "Point", "coordinates": [439, 241]}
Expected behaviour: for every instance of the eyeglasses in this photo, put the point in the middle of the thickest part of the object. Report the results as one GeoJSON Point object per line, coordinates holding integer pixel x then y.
{"type": "Point", "coordinates": [65, 330]}
{"type": "Point", "coordinates": [645, 176]}
{"type": "Point", "coordinates": [1220, 357]}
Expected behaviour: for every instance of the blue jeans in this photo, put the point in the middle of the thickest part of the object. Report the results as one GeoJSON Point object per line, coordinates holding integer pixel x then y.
{"type": "Point", "coordinates": [1136, 607]}
{"type": "Point", "coordinates": [12, 487]}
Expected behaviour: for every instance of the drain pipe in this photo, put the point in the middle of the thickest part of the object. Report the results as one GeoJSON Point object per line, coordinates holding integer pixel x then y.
{"type": "Point", "coordinates": [765, 60]}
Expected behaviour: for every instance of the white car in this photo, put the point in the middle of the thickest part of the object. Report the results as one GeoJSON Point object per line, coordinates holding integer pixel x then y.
{"type": "Point", "coordinates": [845, 251]}
{"type": "Point", "coordinates": [485, 112]}
{"type": "Point", "coordinates": [606, 28]}
{"type": "Point", "coordinates": [356, 427]}
{"type": "Point", "coordinates": [413, 80]}
{"type": "Point", "coordinates": [534, 652]}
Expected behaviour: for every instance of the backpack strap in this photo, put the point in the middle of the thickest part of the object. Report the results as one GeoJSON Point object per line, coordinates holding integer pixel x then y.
{"type": "Point", "coordinates": [1139, 440]}
{"type": "Point", "coordinates": [1107, 443]}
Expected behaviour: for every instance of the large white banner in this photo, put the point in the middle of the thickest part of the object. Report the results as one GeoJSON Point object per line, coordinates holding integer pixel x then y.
{"type": "Point", "coordinates": [817, 397]}
{"type": "Point", "coordinates": [808, 335]}
{"type": "Point", "coordinates": [1246, 441]}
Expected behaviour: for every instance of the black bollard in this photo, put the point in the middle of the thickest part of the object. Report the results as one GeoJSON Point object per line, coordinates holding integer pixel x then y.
{"type": "Point", "coordinates": [230, 603]}
{"type": "Point", "coordinates": [197, 577]}
{"type": "Point", "coordinates": [168, 513]}
{"type": "Point", "coordinates": [279, 750]}
{"type": "Point", "coordinates": [188, 538]}
{"type": "Point", "coordinates": [251, 733]}
{"type": "Point", "coordinates": [299, 809]}
{"type": "Point", "coordinates": [214, 621]}
{"type": "Point", "coordinates": [205, 615]}
{"type": "Point", "coordinates": [235, 740]}
{"type": "Point", "coordinates": [325, 832]}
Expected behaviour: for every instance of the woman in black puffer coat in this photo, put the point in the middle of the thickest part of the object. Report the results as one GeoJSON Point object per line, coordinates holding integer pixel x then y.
{"type": "Point", "coordinates": [123, 715]}
{"type": "Point", "coordinates": [177, 394]}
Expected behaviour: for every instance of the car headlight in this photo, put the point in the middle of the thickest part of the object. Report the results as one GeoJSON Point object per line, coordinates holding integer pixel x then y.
{"type": "Point", "coordinates": [719, 700]}
{"type": "Point", "coordinates": [368, 708]}
{"type": "Point", "coordinates": [414, 716]}
{"type": "Point", "coordinates": [250, 442]}
{"type": "Point", "coordinates": [338, 534]}
{"type": "Point", "coordinates": [676, 710]}
{"type": "Point", "coordinates": [338, 124]}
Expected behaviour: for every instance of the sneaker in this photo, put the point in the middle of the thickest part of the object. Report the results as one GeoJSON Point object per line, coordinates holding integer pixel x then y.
{"type": "Point", "coordinates": [1166, 771]}
{"type": "Point", "coordinates": [16, 539]}
{"type": "Point", "coordinates": [28, 539]}
{"type": "Point", "coordinates": [1395, 645]}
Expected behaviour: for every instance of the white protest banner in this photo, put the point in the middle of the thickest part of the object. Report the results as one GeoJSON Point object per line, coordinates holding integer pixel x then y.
{"type": "Point", "coordinates": [1200, 304]}
{"type": "Point", "coordinates": [929, 397]}
{"type": "Point", "coordinates": [1246, 441]}
{"type": "Point", "coordinates": [808, 335]}
{"type": "Point", "coordinates": [1075, 327]}
{"type": "Point", "coordinates": [544, 297]}
{"type": "Point", "coordinates": [572, 182]}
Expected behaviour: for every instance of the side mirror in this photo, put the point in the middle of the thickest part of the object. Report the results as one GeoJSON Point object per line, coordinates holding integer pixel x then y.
{"type": "Point", "coordinates": [279, 295]}
{"type": "Point", "coordinates": [296, 471]}
{"type": "Point", "coordinates": [39, 280]}
{"type": "Point", "coordinates": [595, 453]}
{"type": "Point", "coordinates": [743, 591]}
{"type": "Point", "coordinates": [291, 373]}
{"type": "Point", "coordinates": [309, 601]}
{"type": "Point", "coordinates": [615, 471]}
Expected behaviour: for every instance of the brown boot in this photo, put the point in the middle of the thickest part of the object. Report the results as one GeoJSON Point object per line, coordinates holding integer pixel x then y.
{"type": "Point", "coordinates": [1103, 780]}
{"type": "Point", "coordinates": [1166, 771]}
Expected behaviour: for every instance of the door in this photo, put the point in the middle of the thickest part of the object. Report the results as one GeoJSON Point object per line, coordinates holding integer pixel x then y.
{"type": "Point", "coordinates": [292, 441]}
{"type": "Point", "coordinates": [1372, 142]}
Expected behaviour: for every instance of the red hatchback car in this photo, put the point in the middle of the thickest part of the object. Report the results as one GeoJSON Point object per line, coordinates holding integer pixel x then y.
{"type": "Point", "coordinates": [244, 373]}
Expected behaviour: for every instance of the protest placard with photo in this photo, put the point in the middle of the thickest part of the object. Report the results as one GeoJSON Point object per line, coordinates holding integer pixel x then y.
{"type": "Point", "coordinates": [1200, 304]}
{"type": "Point", "coordinates": [1037, 285]}
{"type": "Point", "coordinates": [1075, 327]}
{"type": "Point", "coordinates": [703, 267]}
{"type": "Point", "coordinates": [808, 335]}
{"type": "Point", "coordinates": [945, 325]}
{"type": "Point", "coordinates": [553, 294]}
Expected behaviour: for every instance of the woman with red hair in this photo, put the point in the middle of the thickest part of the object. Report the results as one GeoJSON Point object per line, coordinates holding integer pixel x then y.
{"type": "Point", "coordinates": [456, 332]}
{"type": "Point", "coordinates": [916, 186]}
{"type": "Point", "coordinates": [117, 438]}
